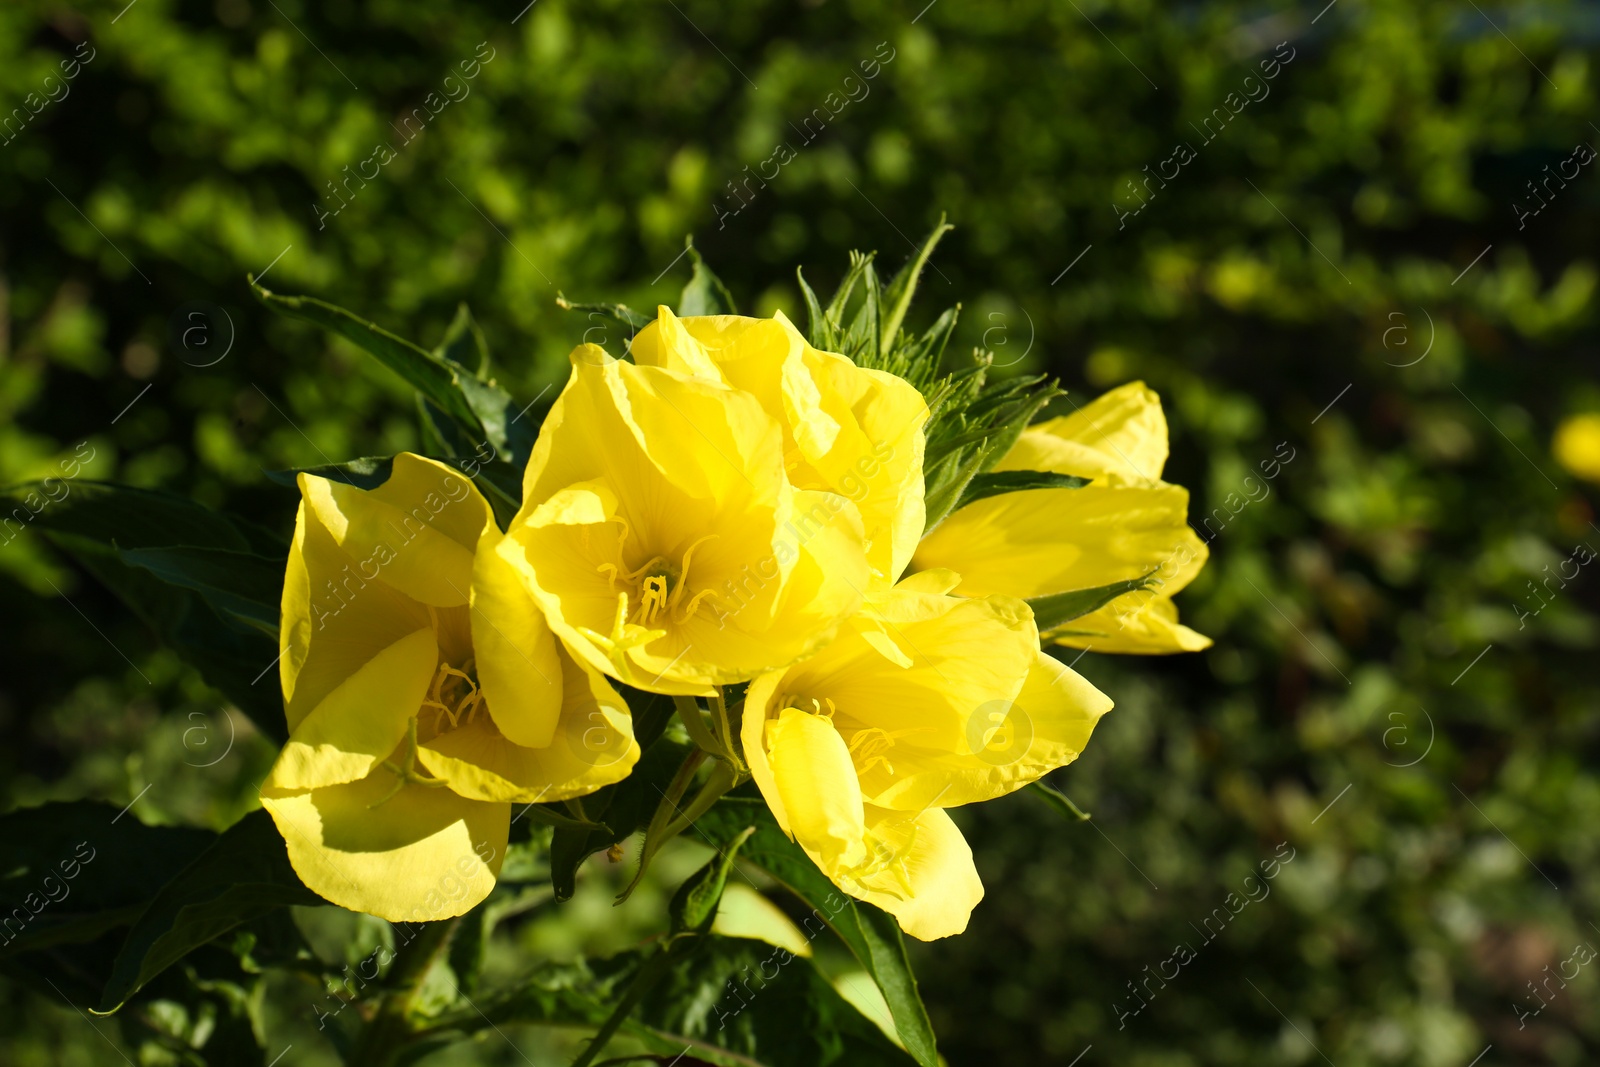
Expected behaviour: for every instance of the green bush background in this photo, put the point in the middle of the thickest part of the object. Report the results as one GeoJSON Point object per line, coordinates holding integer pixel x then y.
{"type": "Point", "coordinates": [1273, 293]}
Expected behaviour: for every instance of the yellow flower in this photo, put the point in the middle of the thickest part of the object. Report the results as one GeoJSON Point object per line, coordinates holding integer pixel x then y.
{"type": "Point", "coordinates": [846, 429]}
{"type": "Point", "coordinates": [662, 539]}
{"type": "Point", "coordinates": [1126, 524]}
{"type": "Point", "coordinates": [424, 694]}
{"type": "Point", "coordinates": [1577, 446]}
{"type": "Point", "coordinates": [923, 702]}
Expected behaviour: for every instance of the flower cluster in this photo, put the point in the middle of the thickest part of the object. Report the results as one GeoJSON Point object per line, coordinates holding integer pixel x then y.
{"type": "Point", "coordinates": [736, 516]}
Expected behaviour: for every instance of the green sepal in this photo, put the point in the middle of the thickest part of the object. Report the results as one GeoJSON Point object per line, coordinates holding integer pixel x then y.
{"type": "Point", "coordinates": [996, 483]}
{"type": "Point", "coordinates": [1056, 610]}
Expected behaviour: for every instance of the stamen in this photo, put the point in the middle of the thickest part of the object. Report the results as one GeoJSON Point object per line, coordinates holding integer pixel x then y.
{"type": "Point", "coordinates": [683, 572]}
{"type": "Point", "coordinates": [654, 598]}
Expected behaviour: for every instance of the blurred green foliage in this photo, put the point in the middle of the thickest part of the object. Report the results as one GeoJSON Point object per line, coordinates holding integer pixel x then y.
{"type": "Point", "coordinates": [1342, 273]}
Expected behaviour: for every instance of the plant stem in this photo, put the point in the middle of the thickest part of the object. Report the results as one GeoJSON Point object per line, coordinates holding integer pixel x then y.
{"type": "Point", "coordinates": [390, 1030]}
{"type": "Point", "coordinates": [695, 723]}
{"type": "Point", "coordinates": [654, 969]}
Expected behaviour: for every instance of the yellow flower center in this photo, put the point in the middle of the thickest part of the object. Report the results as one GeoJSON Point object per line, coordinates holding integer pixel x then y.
{"type": "Point", "coordinates": [656, 587]}
{"type": "Point", "coordinates": [452, 695]}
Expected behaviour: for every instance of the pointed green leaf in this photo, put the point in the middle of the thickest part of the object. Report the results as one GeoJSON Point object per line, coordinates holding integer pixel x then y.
{"type": "Point", "coordinates": [425, 372]}
{"type": "Point", "coordinates": [871, 934]}
{"type": "Point", "coordinates": [819, 331]}
{"type": "Point", "coordinates": [245, 873]}
{"type": "Point", "coordinates": [904, 285]}
{"type": "Point", "coordinates": [1050, 613]}
{"type": "Point", "coordinates": [241, 585]}
{"type": "Point", "coordinates": [77, 869]}
{"type": "Point", "coordinates": [464, 343]}
{"type": "Point", "coordinates": [995, 483]}
{"type": "Point", "coordinates": [705, 294]}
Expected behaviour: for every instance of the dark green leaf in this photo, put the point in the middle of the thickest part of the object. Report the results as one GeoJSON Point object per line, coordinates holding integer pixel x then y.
{"type": "Point", "coordinates": [245, 873]}
{"type": "Point", "coordinates": [723, 1000]}
{"type": "Point", "coordinates": [464, 343]}
{"type": "Point", "coordinates": [624, 808]}
{"type": "Point", "coordinates": [871, 934]}
{"type": "Point", "coordinates": [95, 522]}
{"type": "Point", "coordinates": [705, 294]}
{"type": "Point", "coordinates": [1052, 612]}
{"type": "Point", "coordinates": [242, 585]}
{"type": "Point", "coordinates": [123, 515]}
{"type": "Point", "coordinates": [69, 872]}
{"type": "Point", "coordinates": [756, 1000]}
{"type": "Point", "coordinates": [995, 483]}
{"type": "Point", "coordinates": [435, 379]}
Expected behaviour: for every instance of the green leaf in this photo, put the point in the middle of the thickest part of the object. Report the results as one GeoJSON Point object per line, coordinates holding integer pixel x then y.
{"type": "Point", "coordinates": [464, 343]}
{"type": "Point", "coordinates": [1052, 612]}
{"type": "Point", "coordinates": [624, 808]}
{"type": "Point", "coordinates": [245, 873]}
{"type": "Point", "coordinates": [694, 905]}
{"type": "Point", "coordinates": [904, 285]}
{"type": "Point", "coordinates": [995, 483]}
{"type": "Point", "coordinates": [1058, 801]}
{"type": "Point", "coordinates": [872, 935]}
{"type": "Point", "coordinates": [705, 294]}
{"type": "Point", "coordinates": [819, 331]}
{"type": "Point", "coordinates": [759, 1001]}
{"type": "Point", "coordinates": [96, 522]}
{"type": "Point", "coordinates": [75, 870]}
{"type": "Point", "coordinates": [127, 517]}
{"type": "Point", "coordinates": [425, 372]}
{"type": "Point", "coordinates": [721, 1000]}
{"type": "Point", "coordinates": [240, 585]}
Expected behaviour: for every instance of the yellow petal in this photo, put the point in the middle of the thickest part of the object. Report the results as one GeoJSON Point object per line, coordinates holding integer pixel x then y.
{"type": "Point", "coordinates": [1006, 744]}
{"type": "Point", "coordinates": [514, 648]}
{"type": "Point", "coordinates": [333, 620]}
{"type": "Point", "coordinates": [921, 872]}
{"type": "Point", "coordinates": [415, 533]}
{"type": "Point", "coordinates": [592, 746]}
{"type": "Point", "coordinates": [422, 855]}
{"type": "Point", "coordinates": [360, 722]}
{"type": "Point", "coordinates": [813, 774]}
{"type": "Point", "coordinates": [1042, 541]}
{"type": "Point", "coordinates": [1143, 623]}
{"type": "Point", "coordinates": [642, 473]}
{"type": "Point", "coordinates": [1119, 438]}
{"type": "Point", "coordinates": [934, 581]}
{"type": "Point", "coordinates": [847, 430]}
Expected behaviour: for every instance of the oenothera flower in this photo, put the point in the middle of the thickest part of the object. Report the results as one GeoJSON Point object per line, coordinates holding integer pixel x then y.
{"type": "Point", "coordinates": [846, 429]}
{"type": "Point", "coordinates": [923, 702]}
{"type": "Point", "coordinates": [424, 694]}
{"type": "Point", "coordinates": [663, 540]}
{"type": "Point", "coordinates": [1126, 524]}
